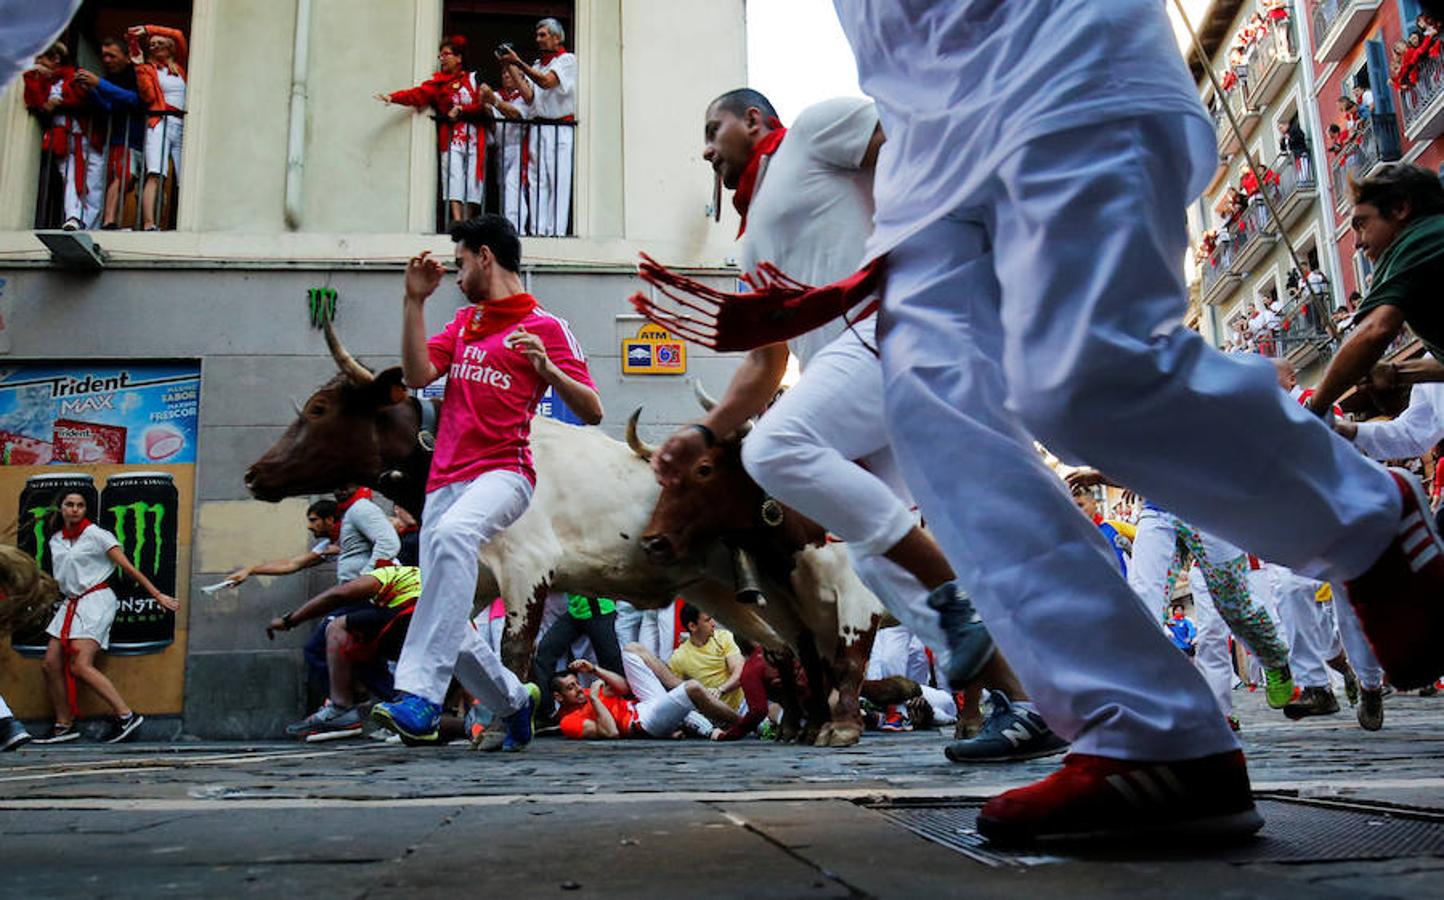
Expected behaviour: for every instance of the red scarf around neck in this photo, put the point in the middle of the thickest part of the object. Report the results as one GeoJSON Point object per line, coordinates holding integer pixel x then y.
{"type": "Point", "coordinates": [361, 493]}
{"type": "Point", "coordinates": [546, 58]}
{"type": "Point", "coordinates": [747, 183]}
{"type": "Point", "coordinates": [492, 316]}
{"type": "Point", "coordinates": [73, 534]}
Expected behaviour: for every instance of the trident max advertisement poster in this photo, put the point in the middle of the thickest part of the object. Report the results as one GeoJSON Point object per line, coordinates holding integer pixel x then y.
{"type": "Point", "coordinates": [123, 436]}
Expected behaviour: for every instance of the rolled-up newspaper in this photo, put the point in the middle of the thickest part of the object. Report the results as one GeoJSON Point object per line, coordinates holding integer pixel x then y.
{"type": "Point", "coordinates": [217, 588]}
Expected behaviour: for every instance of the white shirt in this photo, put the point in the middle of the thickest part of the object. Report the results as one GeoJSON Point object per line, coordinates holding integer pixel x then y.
{"type": "Point", "coordinates": [173, 87]}
{"type": "Point", "coordinates": [82, 565]}
{"type": "Point", "coordinates": [812, 208]}
{"type": "Point", "coordinates": [961, 84]}
{"type": "Point", "coordinates": [560, 101]}
{"type": "Point", "coordinates": [509, 129]}
{"type": "Point", "coordinates": [1413, 433]}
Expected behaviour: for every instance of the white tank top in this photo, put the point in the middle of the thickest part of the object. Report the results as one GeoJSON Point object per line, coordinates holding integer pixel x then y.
{"type": "Point", "coordinates": [173, 87]}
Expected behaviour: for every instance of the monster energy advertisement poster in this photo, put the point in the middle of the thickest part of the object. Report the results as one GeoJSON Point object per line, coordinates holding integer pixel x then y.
{"type": "Point", "coordinates": [123, 437]}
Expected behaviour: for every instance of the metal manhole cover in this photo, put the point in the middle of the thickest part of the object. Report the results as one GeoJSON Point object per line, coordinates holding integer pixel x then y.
{"type": "Point", "coordinates": [1296, 831]}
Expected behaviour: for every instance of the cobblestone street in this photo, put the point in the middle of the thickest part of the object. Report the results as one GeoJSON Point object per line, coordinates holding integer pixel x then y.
{"type": "Point", "coordinates": [362, 818]}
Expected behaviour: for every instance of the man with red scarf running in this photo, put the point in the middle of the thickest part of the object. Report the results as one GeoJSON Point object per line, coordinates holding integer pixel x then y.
{"type": "Point", "coordinates": [805, 198]}
{"type": "Point", "coordinates": [499, 355]}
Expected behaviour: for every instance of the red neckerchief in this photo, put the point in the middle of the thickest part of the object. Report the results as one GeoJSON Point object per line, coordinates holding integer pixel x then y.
{"type": "Point", "coordinates": [508, 94]}
{"type": "Point", "coordinates": [742, 197]}
{"type": "Point", "coordinates": [546, 58]}
{"type": "Point", "coordinates": [492, 316]}
{"type": "Point", "coordinates": [361, 493]}
{"type": "Point", "coordinates": [1097, 519]}
{"type": "Point", "coordinates": [73, 534]}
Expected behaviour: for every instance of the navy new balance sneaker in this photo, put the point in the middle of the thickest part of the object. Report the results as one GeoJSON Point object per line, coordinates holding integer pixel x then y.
{"type": "Point", "coordinates": [416, 719]}
{"type": "Point", "coordinates": [1010, 734]}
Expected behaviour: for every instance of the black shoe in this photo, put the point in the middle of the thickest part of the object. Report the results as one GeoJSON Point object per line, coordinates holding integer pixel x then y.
{"type": "Point", "coordinates": [121, 729]}
{"type": "Point", "coordinates": [13, 735]}
{"type": "Point", "coordinates": [59, 734]}
{"type": "Point", "coordinates": [969, 644]}
{"type": "Point", "coordinates": [1314, 701]}
{"type": "Point", "coordinates": [1371, 709]}
{"type": "Point", "coordinates": [1011, 734]}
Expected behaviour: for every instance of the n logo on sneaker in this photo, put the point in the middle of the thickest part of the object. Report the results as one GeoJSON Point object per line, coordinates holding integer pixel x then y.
{"type": "Point", "coordinates": [1018, 732]}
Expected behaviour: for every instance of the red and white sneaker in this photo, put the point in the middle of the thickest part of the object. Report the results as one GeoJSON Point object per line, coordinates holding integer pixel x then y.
{"type": "Point", "coordinates": [1400, 600]}
{"type": "Point", "coordinates": [1096, 798]}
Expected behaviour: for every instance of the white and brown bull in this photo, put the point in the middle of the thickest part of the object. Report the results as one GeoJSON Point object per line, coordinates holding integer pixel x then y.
{"type": "Point", "coordinates": [593, 500]}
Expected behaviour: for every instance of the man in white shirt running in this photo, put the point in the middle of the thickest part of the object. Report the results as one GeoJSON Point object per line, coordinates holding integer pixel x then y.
{"type": "Point", "coordinates": [804, 194]}
{"type": "Point", "coordinates": [1030, 206]}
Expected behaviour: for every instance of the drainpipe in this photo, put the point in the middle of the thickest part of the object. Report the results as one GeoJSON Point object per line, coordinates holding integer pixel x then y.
{"type": "Point", "coordinates": [1309, 111]}
{"type": "Point", "coordinates": [296, 136]}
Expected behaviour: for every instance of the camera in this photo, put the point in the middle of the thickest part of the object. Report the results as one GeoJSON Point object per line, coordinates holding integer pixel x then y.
{"type": "Point", "coordinates": [503, 49]}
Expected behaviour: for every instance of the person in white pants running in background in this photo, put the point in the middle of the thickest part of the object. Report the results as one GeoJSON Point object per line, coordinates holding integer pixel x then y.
{"type": "Point", "coordinates": [804, 194]}
{"type": "Point", "coordinates": [499, 356]}
{"type": "Point", "coordinates": [1211, 651]}
{"type": "Point", "coordinates": [1030, 206]}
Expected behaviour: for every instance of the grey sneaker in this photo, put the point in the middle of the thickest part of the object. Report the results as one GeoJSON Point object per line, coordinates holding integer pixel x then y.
{"type": "Point", "coordinates": [1010, 734]}
{"type": "Point", "coordinates": [334, 723]}
{"type": "Point", "coordinates": [1371, 709]}
{"type": "Point", "coordinates": [13, 735]}
{"type": "Point", "coordinates": [59, 734]}
{"type": "Point", "coordinates": [491, 739]}
{"type": "Point", "coordinates": [969, 644]}
{"type": "Point", "coordinates": [1314, 701]}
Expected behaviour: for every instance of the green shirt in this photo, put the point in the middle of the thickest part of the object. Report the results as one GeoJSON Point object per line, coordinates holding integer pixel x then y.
{"type": "Point", "coordinates": [580, 607]}
{"type": "Point", "coordinates": [1410, 275]}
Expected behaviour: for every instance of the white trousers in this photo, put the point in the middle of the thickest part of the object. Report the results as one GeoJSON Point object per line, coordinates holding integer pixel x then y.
{"type": "Point", "coordinates": [1211, 654]}
{"type": "Point", "coordinates": [457, 520]}
{"type": "Point", "coordinates": [1048, 306]}
{"type": "Point", "coordinates": [162, 140]}
{"type": "Point", "coordinates": [660, 711]}
{"type": "Point", "coordinates": [823, 449]}
{"type": "Point", "coordinates": [4, 709]}
{"type": "Point", "coordinates": [74, 204]}
{"type": "Point", "coordinates": [513, 197]}
{"type": "Point", "coordinates": [644, 626]}
{"type": "Point", "coordinates": [95, 172]}
{"type": "Point", "coordinates": [1312, 631]}
{"type": "Point", "coordinates": [458, 171]}
{"type": "Point", "coordinates": [550, 176]}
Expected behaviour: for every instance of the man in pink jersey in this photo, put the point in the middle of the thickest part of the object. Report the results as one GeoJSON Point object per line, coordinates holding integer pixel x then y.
{"type": "Point", "coordinates": [499, 355]}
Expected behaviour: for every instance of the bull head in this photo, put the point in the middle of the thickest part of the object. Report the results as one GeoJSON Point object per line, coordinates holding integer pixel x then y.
{"type": "Point", "coordinates": [351, 429]}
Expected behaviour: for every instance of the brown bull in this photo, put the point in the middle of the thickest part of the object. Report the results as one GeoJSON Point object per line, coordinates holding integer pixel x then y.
{"type": "Point", "coordinates": [718, 501]}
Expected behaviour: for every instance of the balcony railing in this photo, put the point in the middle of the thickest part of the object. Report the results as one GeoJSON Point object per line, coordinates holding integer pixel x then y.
{"type": "Point", "coordinates": [527, 175]}
{"type": "Point", "coordinates": [1376, 141]}
{"type": "Point", "coordinates": [109, 170]}
{"type": "Point", "coordinates": [1337, 24]}
{"type": "Point", "coordinates": [1268, 66]}
{"type": "Point", "coordinates": [1251, 231]}
{"type": "Point", "coordinates": [1291, 184]}
{"type": "Point", "coordinates": [1216, 267]}
{"type": "Point", "coordinates": [1421, 100]}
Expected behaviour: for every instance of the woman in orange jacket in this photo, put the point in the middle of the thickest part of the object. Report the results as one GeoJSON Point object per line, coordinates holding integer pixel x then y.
{"type": "Point", "coordinates": [161, 81]}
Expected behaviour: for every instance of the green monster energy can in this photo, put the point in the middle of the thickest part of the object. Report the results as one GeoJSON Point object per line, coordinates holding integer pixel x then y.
{"type": "Point", "coordinates": [41, 494]}
{"type": "Point", "coordinates": [140, 509]}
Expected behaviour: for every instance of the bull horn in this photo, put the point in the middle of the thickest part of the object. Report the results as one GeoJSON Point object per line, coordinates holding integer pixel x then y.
{"type": "Point", "coordinates": [644, 451]}
{"type": "Point", "coordinates": [296, 405]}
{"type": "Point", "coordinates": [353, 370]}
{"type": "Point", "coordinates": [704, 398]}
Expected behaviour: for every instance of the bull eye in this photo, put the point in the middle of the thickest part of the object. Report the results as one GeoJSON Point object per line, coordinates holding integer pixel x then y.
{"type": "Point", "coordinates": [316, 410]}
{"type": "Point", "coordinates": [704, 470]}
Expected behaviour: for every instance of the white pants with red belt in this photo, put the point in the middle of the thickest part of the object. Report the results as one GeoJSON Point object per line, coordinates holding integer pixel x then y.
{"type": "Point", "coordinates": [457, 520]}
{"type": "Point", "coordinates": [1048, 306]}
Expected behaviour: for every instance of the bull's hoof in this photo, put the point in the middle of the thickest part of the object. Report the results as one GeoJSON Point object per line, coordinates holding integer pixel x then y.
{"type": "Point", "coordinates": [841, 734]}
{"type": "Point", "coordinates": [809, 736]}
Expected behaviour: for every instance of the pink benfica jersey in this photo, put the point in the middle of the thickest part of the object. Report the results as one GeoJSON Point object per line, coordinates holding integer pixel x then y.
{"type": "Point", "coordinates": [491, 395]}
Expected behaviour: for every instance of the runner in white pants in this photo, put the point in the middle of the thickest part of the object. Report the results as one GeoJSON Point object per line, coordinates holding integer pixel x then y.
{"type": "Point", "coordinates": [499, 357]}
{"type": "Point", "coordinates": [822, 448]}
{"type": "Point", "coordinates": [1211, 652]}
{"type": "Point", "coordinates": [13, 735]}
{"type": "Point", "coordinates": [1030, 205]}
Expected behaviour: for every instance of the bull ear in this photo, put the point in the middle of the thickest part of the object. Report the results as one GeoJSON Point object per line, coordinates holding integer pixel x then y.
{"type": "Point", "coordinates": [387, 389]}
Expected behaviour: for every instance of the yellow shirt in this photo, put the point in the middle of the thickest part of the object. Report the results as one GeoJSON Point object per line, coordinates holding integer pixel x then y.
{"type": "Point", "coordinates": [708, 663]}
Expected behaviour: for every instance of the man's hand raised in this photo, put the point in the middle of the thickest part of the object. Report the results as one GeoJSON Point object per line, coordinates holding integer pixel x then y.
{"type": "Point", "coordinates": [677, 455]}
{"type": "Point", "coordinates": [423, 274]}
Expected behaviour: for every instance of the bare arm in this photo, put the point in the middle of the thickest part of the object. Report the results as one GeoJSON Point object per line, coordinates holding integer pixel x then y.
{"type": "Point", "coordinates": [277, 567]}
{"type": "Point", "coordinates": [544, 80]}
{"type": "Point", "coordinates": [605, 727]}
{"type": "Point", "coordinates": [1356, 358]}
{"type": "Point", "coordinates": [423, 274]}
{"type": "Point", "coordinates": [752, 388]}
{"type": "Point", "coordinates": [580, 399]}
{"type": "Point", "coordinates": [734, 674]}
{"type": "Point", "coordinates": [117, 556]}
{"type": "Point", "coordinates": [617, 683]}
{"type": "Point", "coordinates": [874, 147]}
{"type": "Point", "coordinates": [357, 590]}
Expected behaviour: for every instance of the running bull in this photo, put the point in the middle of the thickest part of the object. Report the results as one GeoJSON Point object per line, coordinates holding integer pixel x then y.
{"type": "Point", "coordinates": [581, 532]}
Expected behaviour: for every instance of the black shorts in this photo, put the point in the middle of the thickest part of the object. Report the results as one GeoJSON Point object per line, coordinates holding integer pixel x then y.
{"type": "Point", "coordinates": [378, 632]}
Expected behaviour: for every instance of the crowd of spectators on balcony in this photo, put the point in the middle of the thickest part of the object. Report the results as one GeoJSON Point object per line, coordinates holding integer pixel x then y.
{"type": "Point", "coordinates": [1416, 58]}
{"type": "Point", "coordinates": [1275, 325]}
{"type": "Point", "coordinates": [1269, 15]}
{"type": "Point", "coordinates": [528, 120]}
{"type": "Point", "coordinates": [112, 133]}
